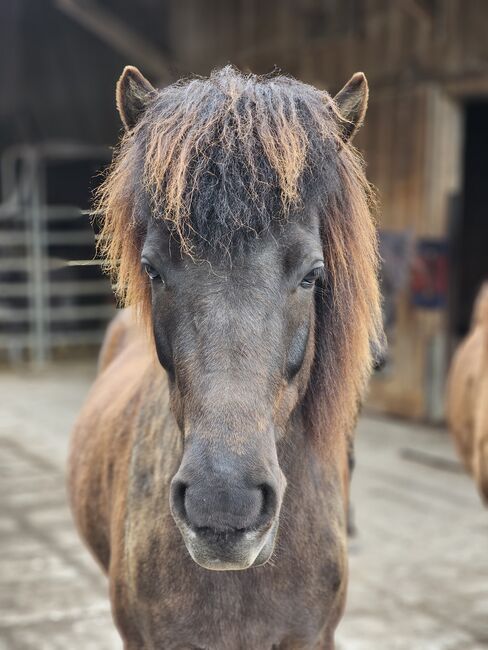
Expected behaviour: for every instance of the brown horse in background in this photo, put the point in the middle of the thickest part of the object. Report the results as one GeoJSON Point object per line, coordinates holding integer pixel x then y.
{"type": "Point", "coordinates": [467, 396]}
{"type": "Point", "coordinates": [208, 468]}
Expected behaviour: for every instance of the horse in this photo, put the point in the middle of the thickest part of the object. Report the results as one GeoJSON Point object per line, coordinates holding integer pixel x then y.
{"type": "Point", "coordinates": [208, 468]}
{"type": "Point", "coordinates": [467, 396]}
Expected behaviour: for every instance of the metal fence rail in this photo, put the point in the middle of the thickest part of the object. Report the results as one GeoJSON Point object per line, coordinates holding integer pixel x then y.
{"type": "Point", "coordinates": [47, 299]}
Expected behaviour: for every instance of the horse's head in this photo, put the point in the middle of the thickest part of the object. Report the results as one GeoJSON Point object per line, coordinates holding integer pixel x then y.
{"type": "Point", "coordinates": [231, 178]}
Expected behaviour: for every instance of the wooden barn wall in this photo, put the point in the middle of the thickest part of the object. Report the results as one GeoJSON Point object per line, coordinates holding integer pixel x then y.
{"type": "Point", "coordinates": [394, 146]}
{"type": "Point", "coordinates": [412, 144]}
{"type": "Point", "coordinates": [394, 42]}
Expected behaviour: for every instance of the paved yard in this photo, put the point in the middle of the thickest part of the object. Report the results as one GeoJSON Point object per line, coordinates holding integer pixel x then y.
{"type": "Point", "coordinates": [419, 566]}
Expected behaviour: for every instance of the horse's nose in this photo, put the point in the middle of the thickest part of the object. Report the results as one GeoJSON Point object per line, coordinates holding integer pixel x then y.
{"type": "Point", "coordinates": [222, 507]}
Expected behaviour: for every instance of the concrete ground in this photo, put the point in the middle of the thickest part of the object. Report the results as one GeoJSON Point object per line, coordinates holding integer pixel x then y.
{"type": "Point", "coordinates": [418, 567]}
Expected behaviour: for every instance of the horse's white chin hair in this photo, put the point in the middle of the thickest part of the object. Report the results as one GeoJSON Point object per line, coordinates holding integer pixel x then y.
{"type": "Point", "coordinates": [253, 550]}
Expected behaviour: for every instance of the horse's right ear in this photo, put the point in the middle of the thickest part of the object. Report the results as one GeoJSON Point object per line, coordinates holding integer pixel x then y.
{"type": "Point", "coordinates": [133, 95]}
{"type": "Point", "coordinates": [351, 103]}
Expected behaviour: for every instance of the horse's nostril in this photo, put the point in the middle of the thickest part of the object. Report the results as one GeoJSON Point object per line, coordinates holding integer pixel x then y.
{"type": "Point", "coordinates": [178, 492]}
{"type": "Point", "coordinates": [269, 501]}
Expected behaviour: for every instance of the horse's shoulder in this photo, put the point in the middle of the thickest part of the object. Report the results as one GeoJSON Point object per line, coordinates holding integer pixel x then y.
{"type": "Point", "coordinates": [103, 433]}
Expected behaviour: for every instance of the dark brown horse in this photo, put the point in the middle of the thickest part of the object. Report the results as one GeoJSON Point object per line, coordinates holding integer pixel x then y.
{"type": "Point", "coordinates": [208, 469]}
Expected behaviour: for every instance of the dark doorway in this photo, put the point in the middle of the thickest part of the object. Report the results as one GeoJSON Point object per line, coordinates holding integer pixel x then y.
{"type": "Point", "coordinates": [469, 237]}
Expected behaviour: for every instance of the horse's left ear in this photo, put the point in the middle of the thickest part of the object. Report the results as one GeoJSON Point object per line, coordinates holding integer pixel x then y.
{"type": "Point", "coordinates": [133, 95]}
{"type": "Point", "coordinates": [351, 103]}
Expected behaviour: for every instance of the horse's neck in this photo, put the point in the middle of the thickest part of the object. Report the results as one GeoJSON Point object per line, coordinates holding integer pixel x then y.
{"type": "Point", "coordinates": [305, 458]}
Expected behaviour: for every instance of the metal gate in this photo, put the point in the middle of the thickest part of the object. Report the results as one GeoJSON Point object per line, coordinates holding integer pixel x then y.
{"type": "Point", "coordinates": [52, 292]}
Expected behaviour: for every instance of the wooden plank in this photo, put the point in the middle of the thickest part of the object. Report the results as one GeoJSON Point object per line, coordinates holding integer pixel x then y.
{"type": "Point", "coordinates": [58, 313]}
{"type": "Point", "coordinates": [122, 38]}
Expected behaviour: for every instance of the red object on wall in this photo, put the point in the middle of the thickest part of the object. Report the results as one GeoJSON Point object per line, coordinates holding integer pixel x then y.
{"type": "Point", "coordinates": [429, 277]}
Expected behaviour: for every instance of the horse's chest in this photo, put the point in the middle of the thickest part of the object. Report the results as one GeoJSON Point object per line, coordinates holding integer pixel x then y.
{"type": "Point", "coordinates": [284, 604]}
{"type": "Point", "coordinates": [221, 618]}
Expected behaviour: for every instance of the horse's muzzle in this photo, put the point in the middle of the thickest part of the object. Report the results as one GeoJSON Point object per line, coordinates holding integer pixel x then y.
{"type": "Point", "coordinates": [228, 517]}
{"type": "Point", "coordinates": [231, 551]}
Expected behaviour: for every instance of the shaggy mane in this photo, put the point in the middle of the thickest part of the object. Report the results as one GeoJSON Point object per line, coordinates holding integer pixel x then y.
{"type": "Point", "coordinates": [222, 158]}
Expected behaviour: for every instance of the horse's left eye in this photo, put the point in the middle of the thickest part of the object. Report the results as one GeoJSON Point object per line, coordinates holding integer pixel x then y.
{"type": "Point", "coordinates": [311, 278]}
{"type": "Point", "coordinates": [151, 271]}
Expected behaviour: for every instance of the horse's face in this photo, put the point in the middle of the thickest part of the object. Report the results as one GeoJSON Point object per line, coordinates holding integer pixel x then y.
{"type": "Point", "coordinates": [237, 341]}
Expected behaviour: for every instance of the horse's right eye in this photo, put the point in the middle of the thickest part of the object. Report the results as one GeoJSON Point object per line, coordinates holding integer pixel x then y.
{"type": "Point", "coordinates": [151, 271]}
